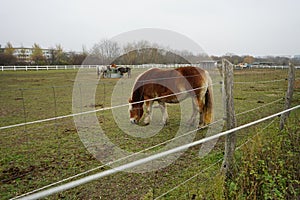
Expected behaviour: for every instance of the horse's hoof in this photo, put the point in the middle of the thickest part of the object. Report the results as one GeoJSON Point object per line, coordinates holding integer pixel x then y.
{"type": "Point", "coordinates": [146, 122]}
{"type": "Point", "coordinates": [166, 123]}
{"type": "Point", "coordinates": [202, 126]}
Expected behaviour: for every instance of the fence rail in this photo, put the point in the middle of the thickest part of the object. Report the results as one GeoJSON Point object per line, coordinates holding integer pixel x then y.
{"type": "Point", "coordinates": [267, 67]}
{"type": "Point", "coordinates": [65, 67]}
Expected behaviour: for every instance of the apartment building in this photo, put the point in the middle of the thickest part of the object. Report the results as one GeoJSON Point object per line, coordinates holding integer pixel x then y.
{"type": "Point", "coordinates": [24, 54]}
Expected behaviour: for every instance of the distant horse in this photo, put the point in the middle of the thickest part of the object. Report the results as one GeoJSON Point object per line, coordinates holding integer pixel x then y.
{"type": "Point", "coordinates": [172, 86]}
{"type": "Point", "coordinates": [102, 70]}
{"type": "Point", "coordinates": [124, 70]}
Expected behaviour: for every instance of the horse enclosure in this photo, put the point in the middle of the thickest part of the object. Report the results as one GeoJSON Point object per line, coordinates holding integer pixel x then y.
{"type": "Point", "coordinates": [44, 147]}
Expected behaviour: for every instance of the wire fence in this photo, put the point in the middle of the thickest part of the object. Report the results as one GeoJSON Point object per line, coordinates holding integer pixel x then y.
{"type": "Point", "coordinates": [152, 147]}
{"type": "Point", "coordinates": [147, 159]}
{"type": "Point", "coordinates": [218, 162]}
{"type": "Point", "coordinates": [37, 130]}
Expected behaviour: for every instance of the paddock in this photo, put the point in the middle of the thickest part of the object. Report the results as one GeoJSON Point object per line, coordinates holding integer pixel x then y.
{"type": "Point", "coordinates": [34, 155]}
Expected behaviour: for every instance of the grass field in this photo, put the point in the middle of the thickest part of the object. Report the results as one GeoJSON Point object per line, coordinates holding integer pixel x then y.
{"type": "Point", "coordinates": [32, 156]}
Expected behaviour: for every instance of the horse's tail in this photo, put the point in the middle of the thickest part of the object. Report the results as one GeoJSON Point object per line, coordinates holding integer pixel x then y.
{"type": "Point", "coordinates": [208, 107]}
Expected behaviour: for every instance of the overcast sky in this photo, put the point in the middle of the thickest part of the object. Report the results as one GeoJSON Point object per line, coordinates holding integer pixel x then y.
{"type": "Point", "coordinates": [255, 27]}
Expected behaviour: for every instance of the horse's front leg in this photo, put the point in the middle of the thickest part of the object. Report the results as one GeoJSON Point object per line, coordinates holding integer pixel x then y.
{"type": "Point", "coordinates": [164, 111]}
{"type": "Point", "coordinates": [148, 115]}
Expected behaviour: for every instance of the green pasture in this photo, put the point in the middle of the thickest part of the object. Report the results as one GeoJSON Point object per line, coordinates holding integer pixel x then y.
{"type": "Point", "coordinates": [35, 155]}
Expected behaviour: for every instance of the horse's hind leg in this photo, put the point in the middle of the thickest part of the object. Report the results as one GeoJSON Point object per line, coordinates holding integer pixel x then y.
{"type": "Point", "coordinates": [200, 101]}
{"type": "Point", "coordinates": [195, 112]}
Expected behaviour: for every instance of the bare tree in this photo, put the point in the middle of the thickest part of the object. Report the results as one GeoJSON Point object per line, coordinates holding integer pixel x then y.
{"type": "Point", "coordinates": [249, 59]}
{"type": "Point", "coordinates": [105, 52]}
{"type": "Point", "coordinates": [9, 49]}
{"type": "Point", "coordinates": [129, 55]}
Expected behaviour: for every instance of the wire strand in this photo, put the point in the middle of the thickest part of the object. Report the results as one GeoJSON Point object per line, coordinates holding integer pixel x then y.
{"type": "Point", "coordinates": [251, 82]}
{"type": "Point", "coordinates": [259, 107]}
{"type": "Point", "coordinates": [113, 162]}
{"type": "Point", "coordinates": [194, 176]}
{"type": "Point", "coordinates": [177, 186]}
{"type": "Point", "coordinates": [97, 110]}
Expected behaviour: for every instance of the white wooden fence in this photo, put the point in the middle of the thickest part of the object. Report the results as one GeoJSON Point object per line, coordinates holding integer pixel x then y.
{"type": "Point", "coordinates": [60, 67]}
{"type": "Point", "coordinates": [64, 67]}
{"type": "Point", "coordinates": [267, 67]}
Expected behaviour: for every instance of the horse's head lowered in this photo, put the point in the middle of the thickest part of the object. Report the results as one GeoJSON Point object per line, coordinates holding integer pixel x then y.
{"type": "Point", "coordinates": [136, 111]}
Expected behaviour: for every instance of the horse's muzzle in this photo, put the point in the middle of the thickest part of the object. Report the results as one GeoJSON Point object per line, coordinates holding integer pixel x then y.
{"type": "Point", "coordinates": [133, 121]}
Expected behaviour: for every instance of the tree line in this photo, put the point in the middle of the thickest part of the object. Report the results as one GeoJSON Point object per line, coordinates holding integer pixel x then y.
{"type": "Point", "coordinates": [107, 52]}
{"type": "Point", "coordinates": [140, 52]}
{"type": "Point", "coordinates": [37, 56]}
{"type": "Point", "coordinates": [271, 60]}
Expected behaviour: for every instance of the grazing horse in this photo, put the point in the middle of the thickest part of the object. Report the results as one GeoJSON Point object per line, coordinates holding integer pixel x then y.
{"type": "Point", "coordinates": [102, 70]}
{"type": "Point", "coordinates": [172, 86]}
{"type": "Point", "coordinates": [124, 70]}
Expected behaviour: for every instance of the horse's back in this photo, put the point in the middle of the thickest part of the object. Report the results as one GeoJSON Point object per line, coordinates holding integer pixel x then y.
{"type": "Point", "coordinates": [160, 76]}
{"type": "Point", "coordinates": [190, 71]}
{"type": "Point", "coordinates": [157, 79]}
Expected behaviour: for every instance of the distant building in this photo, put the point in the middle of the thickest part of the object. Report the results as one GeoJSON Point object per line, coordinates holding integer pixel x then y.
{"type": "Point", "coordinates": [243, 65]}
{"type": "Point", "coordinates": [207, 64]}
{"type": "Point", "coordinates": [24, 54]}
{"type": "Point", "coordinates": [1, 49]}
{"type": "Point", "coordinates": [297, 57]}
{"type": "Point", "coordinates": [263, 63]}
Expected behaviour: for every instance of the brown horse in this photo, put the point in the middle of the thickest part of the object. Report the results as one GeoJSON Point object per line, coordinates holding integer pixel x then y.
{"type": "Point", "coordinates": [172, 86]}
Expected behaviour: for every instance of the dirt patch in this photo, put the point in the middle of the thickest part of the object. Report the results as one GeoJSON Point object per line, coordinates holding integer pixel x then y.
{"type": "Point", "coordinates": [95, 106]}
{"type": "Point", "coordinates": [14, 173]}
{"type": "Point", "coordinates": [240, 98]}
{"type": "Point", "coordinates": [70, 131]}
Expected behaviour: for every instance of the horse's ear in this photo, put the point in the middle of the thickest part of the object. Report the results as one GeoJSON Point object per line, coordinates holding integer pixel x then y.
{"type": "Point", "coordinates": [130, 100]}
